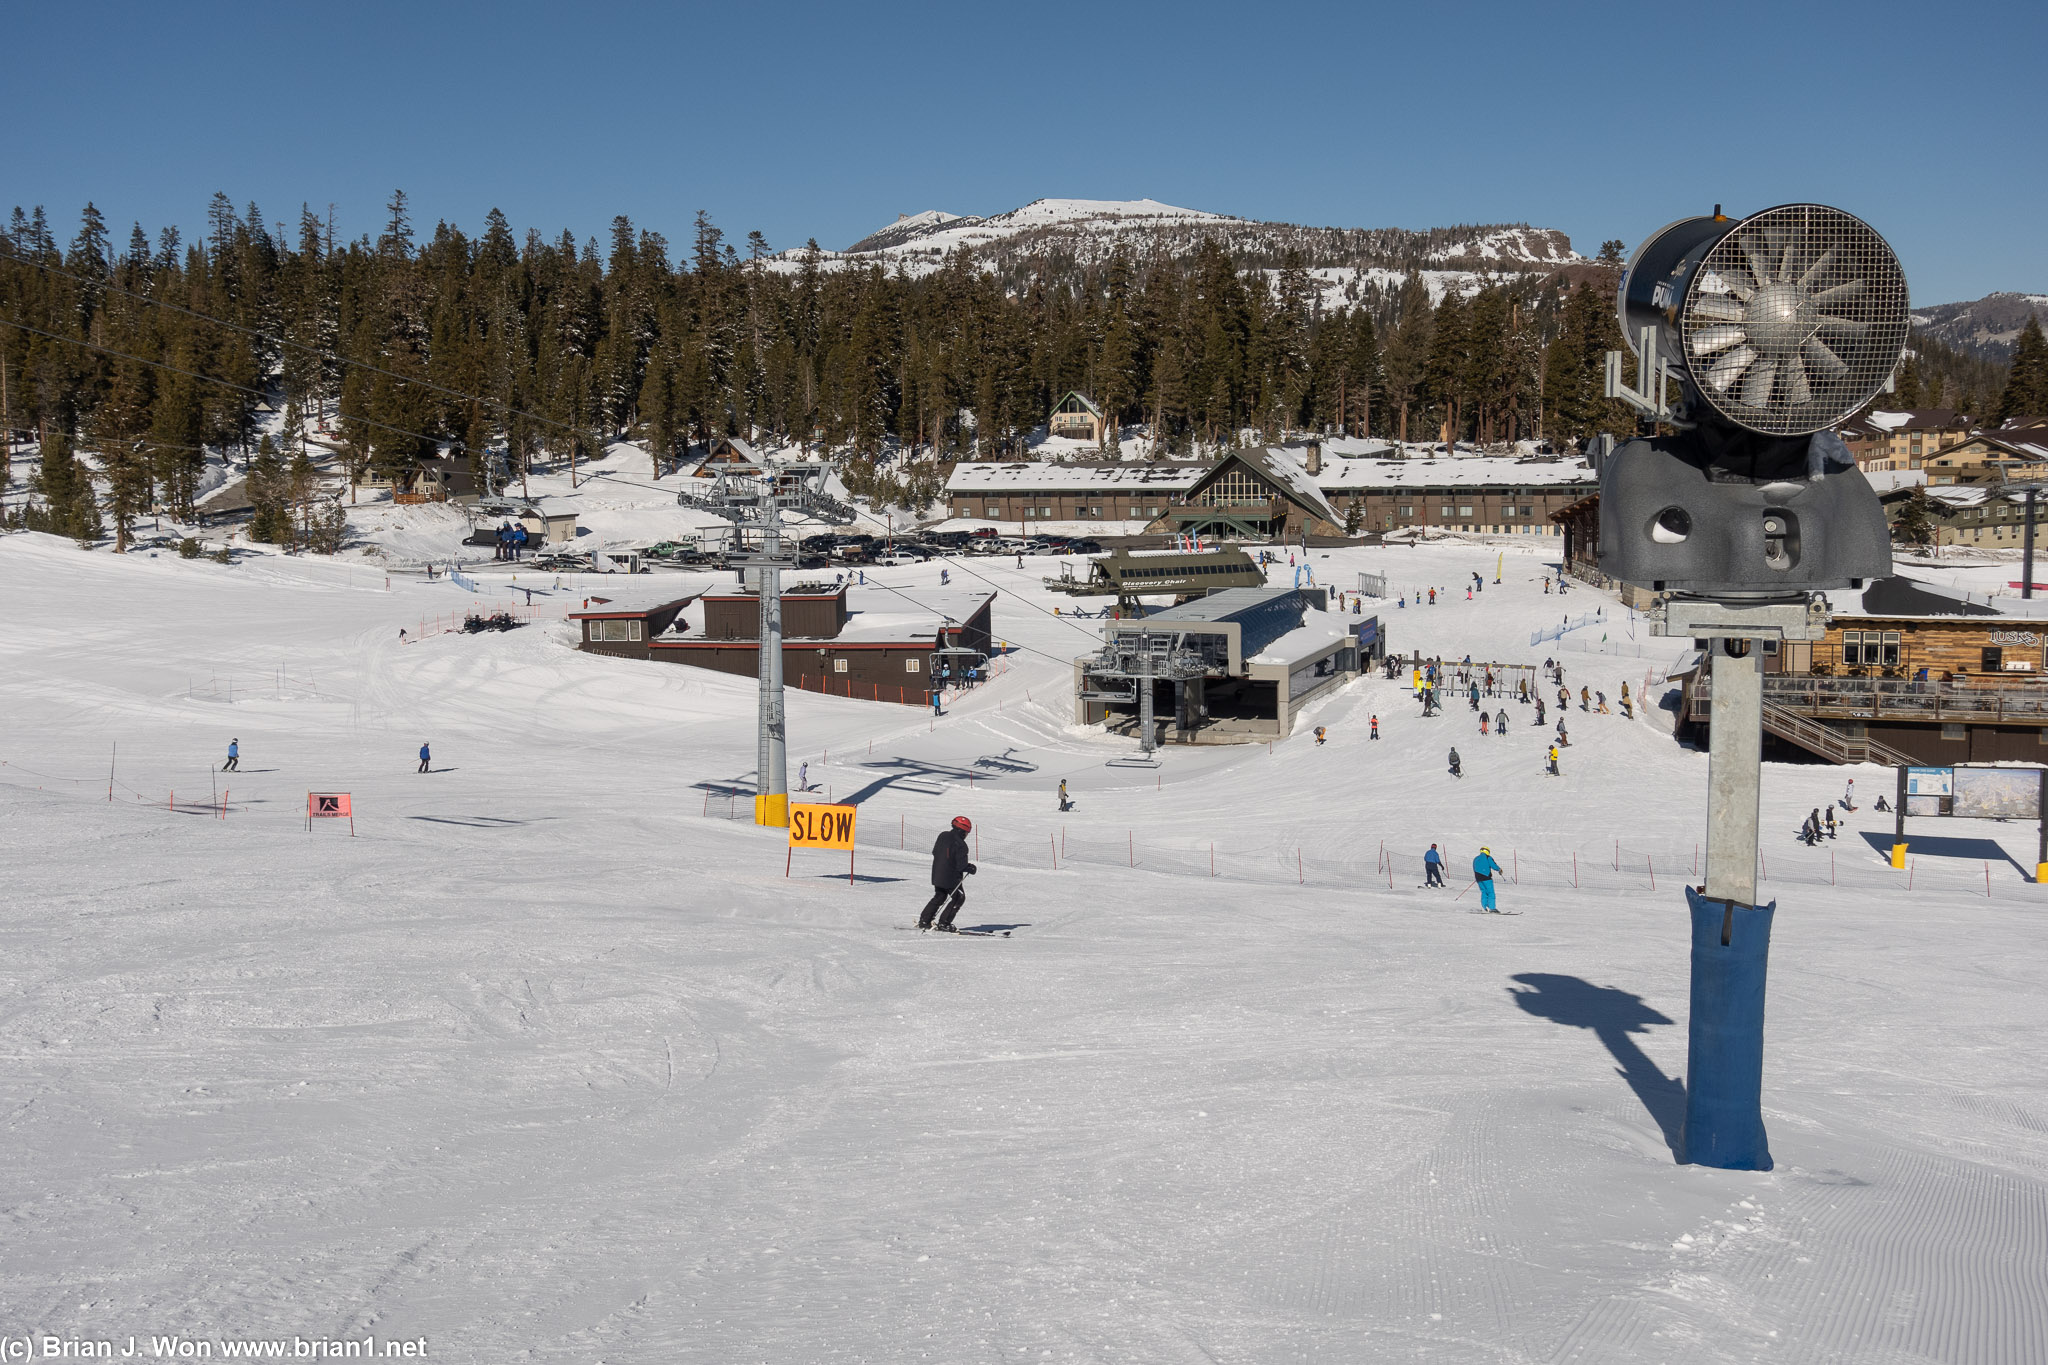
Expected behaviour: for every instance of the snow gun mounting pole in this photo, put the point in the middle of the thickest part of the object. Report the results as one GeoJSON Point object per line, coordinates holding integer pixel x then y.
{"type": "Point", "coordinates": [756, 502]}
{"type": "Point", "coordinates": [1731, 933]}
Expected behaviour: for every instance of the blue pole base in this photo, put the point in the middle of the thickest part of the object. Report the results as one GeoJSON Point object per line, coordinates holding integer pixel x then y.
{"type": "Point", "coordinates": [1731, 951]}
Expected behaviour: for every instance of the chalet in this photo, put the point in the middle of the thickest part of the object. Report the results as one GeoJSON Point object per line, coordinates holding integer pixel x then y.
{"type": "Point", "coordinates": [1077, 417]}
{"type": "Point", "coordinates": [436, 480]}
{"type": "Point", "coordinates": [1265, 494]}
{"type": "Point", "coordinates": [729, 455]}
{"type": "Point", "coordinates": [867, 644]}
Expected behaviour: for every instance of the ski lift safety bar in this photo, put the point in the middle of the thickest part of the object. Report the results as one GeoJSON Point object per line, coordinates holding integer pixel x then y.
{"type": "Point", "coordinates": [1998, 794]}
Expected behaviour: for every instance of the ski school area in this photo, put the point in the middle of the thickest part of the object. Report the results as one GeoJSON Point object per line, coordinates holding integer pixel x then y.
{"type": "Point", "coordinates": [559, 1056]}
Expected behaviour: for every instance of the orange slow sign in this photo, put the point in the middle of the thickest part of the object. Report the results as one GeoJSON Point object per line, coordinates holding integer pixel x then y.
{"type": "Point", "coordinates": [821, 827]}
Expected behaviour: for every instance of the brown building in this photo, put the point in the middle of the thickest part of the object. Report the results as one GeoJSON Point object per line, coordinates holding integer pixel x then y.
{"type": "Point", "coordinates": [1992, 456]}
{"type": "Point", "coordinates": [1027, 491]}
{"type": "Point", "coordinates": [867, 644]}
{"type": "Point", "coordinates": [1902, 440]}
{"type": "Point", "coordinates": [1909, 672]}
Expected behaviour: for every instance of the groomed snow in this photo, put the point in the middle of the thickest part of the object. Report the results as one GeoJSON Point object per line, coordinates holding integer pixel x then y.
{"type": "Point", "coordinates": [550, 1063]}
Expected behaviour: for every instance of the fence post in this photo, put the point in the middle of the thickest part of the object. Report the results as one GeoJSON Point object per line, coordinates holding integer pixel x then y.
{"type": "Point", "coordinates": [1653, 870]}
{"type": "Point", "coordinates": [1055, 850]}
{"type": "Point", "coordinates": [1575, 870]}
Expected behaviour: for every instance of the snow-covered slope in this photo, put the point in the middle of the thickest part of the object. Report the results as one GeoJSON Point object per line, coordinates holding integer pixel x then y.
{"type": "Point", "coordinates": [549, 1063]}
{"type": "Point", "coordinates": [1987, 327]}
{"type": "Point", "coordinates": [1064, 233]}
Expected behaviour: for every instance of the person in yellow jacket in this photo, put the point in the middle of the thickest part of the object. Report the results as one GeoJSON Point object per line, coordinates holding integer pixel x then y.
{"type": "Point", "coordinates": [1552, 758]}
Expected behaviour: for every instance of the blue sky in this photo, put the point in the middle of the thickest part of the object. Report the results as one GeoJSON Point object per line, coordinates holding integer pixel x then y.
{"type": "Point", "coordinates": [829, 120]}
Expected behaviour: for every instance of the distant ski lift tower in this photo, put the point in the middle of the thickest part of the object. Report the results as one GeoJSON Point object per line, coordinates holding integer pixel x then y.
{"type": "Point", "coordinates": [757, 502]}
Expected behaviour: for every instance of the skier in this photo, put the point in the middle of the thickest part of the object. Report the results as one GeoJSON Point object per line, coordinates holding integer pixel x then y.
{"type": "Point", "coordinates": [1432, 597]}
{"type": "Point", "coordinates": [937, 697]}
{"type": "Point", "coordinates": [1321, 735]}
{"type": "Point", "coordinates": [1433, 867]}
{"type": "Point", "coordinates": [1809, 833]}
{"type": "Point", "coordinates": [1375, 727]}
{"type": "Point", "coordinates": [1483, 870]}
{"type": "Point", "coordinates": [1551, 758]}
{"type": "Point", "coordinates": [1500, 722]}
{"type": "Point", "coordinates": [1546, 585]}
{"type": "Point", "coordinates": [945, 577]}
{"type": "Point", "coordinates": [1066, 802]}
{"type": "Point", "coordinates": [425, 759]}
{"type": "Point", "coordinates": [1564, 736]}
{"type": "Point", "coordinates": [1456, 769]}
{"type": "Point", "coordinates": [1539, 711]}
{"type": "Point", "coordinates": [1600, 699]}
{"type": "Point", "coordinates": [950, 871]}
{"type": "Point", "coordinates": [1828, 820]}
{"type": "Point", "coordinates": [1585, 698]}
{"type": "Point", "coordinates": [234, 757]}
{"type": "Point", "coordinates": [803, 777]}
{"type": "Point", "coordinates": [1485, 723]}
{"type": "Point", "coordinates": [1474, 694]}
{"type": "Point", "coordinates": [1564, 699]}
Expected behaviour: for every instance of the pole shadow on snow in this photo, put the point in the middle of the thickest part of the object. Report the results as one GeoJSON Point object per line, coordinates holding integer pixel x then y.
{"type": "Point", "coordinates": [1948, 846]}
{"type": "Point", "coordinates": [1612, 1014]}
{"type": "Point", "coordinates": [474, 821]}
{"type": "Point", "coordinates": [995, 928]}
{"type": "Point", "coordinates": [857, 877]}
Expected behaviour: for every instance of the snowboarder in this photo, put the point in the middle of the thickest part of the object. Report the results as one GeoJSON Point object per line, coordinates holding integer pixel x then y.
{"type": "Point", "coordinates": [1483, 870]}
{"type": "Point", "coordinates": [1551, 758]}
{"type": "Point", "coordinates": [234, 757]}
{"type": "Point", "coordinates": [425, 758]}
{"type": "Point", "coordinates": [1809, 832]}
{"type": "Point", "coordinates": [950, 871]}
{"type": "Point", "coordinates": [1375, 727]}
{"type": "Point", "coordinates": [1600, 704]}
{"type": "Point", "coordinates": [1881, 804]}
{"type": "Point", "coordinates": [1321, 735]}
{"type": "Point", "coordinates": [1849, 795]}
{"type": "Point", "coordinates": [1500, 722]}
{"type": "Point", "coordinates": [1456, 769]}
{"type": "Point", "coordinates": [1828, 820]}
{"type": "Point", "coordinates": [803, 777]}
{"type": "Point", "coordinates": [1433, 867]}
{"type": "Point", "coordinates": [1585, 698]}
{"type": "Point", "coordinates": [1066, 802]}
{"type": "Point", "coordinates": [1564, 699]}
{"type": "Point", "coordinates": [1564, 736]}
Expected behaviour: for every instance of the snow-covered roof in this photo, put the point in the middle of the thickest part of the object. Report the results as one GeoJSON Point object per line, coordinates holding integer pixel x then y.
{"type": "Point", "coordinates": [1318, 632]}
{"type": "Point", "coordinates": [1288, 470]}
{"type": "Point", "coordinates": [1343, 474]}
{"type": "Point", "coordinates": [556, 507]}
{"type": "Point", "coordinates": [1081, 478]}
{"type": "Point", "coordinates": [877, 614]}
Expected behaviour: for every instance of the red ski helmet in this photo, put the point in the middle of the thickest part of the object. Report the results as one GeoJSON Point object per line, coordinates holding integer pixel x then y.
{"type": "Point", "coordinates": [962, 823]}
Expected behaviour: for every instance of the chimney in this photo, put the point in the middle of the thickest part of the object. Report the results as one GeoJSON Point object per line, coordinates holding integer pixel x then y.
{"type": "Point", "coordinates": [1315, 458]}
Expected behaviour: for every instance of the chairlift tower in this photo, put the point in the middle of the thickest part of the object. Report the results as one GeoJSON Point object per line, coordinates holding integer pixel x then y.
{"type": "Point", "coordinates": [758, 502]}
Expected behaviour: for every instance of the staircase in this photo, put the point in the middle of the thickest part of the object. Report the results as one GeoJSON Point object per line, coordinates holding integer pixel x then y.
{"type": "Point", "coordinates": [1832, 745]}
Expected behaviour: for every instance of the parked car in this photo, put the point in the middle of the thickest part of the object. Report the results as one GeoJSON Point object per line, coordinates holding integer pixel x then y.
{"type": "Point", "coordinates": [1083, 547]}
{"type": "Point", "coordinates": [898, 557]}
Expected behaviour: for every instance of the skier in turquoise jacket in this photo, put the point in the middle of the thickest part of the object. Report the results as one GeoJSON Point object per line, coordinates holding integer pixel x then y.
{"type": "Point", "coordinates": [1484, 870]}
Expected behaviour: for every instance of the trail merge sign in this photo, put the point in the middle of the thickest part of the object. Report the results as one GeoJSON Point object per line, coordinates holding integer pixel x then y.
{"type": "Point", "coordinates": [330, 806]}
{"type": "Point", "coordinates": [821, 827]}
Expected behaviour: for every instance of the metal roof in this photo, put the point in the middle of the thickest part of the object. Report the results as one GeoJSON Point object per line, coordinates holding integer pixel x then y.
{"type": "Point", "coordinates": [1262, 615]}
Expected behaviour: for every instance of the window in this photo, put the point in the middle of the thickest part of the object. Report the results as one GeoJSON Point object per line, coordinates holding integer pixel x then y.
{"type": "Point", "coordinates": [1448, 511]}
{"type": "Point", "coordinates": [615, 630]}
{"type": "Point", "coordinates": [1045, 512]}
{"type": "Point", "coordinates": [1464, 511]}
{"type": "Point", "coordinates": [1095, 511]}
{"type": "Point", "coordinates": [910, 665]}
{"type": "Point", "coordinates": [839, 665]}
{"type": "Point", "coordinates": [1237, 488]}
{"type": "Point", "coordinates": [1408, 511]}
{"type": "Point", "coordinates": [1959, 732]}
{"type": "Point", "coordinates": [994, 510]}
{"type": "Point", "coordinates": [1870, 647]}
{"type": "Point", "coordinates": [1993, 659]}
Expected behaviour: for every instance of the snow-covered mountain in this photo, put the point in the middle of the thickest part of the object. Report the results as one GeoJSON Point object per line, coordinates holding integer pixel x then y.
{"type": "Point", "coordinates": [1054, 235]}
{"type": "Point", "coordinates": [1986, 327]}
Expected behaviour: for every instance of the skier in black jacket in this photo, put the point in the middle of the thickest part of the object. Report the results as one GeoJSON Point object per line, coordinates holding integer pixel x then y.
{"type": "Point", "coordinates": [950, 870]}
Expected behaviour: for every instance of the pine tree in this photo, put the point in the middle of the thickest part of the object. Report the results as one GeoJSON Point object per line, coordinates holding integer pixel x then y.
{"type": "Point", "coordinates": [2026, 387]}
{"type": "Point", "coordinates": [70, 506]}
{"type": "Point", "coordinates": [1915, 522]}
{"type": "Point", "coordinates": [271, 523]}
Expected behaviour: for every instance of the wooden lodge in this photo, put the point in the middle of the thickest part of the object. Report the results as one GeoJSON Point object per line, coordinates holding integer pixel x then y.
{"type": "Point", "coordinates": [867, 644]}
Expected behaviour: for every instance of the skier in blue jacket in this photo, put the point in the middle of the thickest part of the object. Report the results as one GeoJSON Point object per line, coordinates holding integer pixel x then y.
{"type": "Point", "coordinates": [235, 759]}
{"type": "Point", "coordinates": [1484, 870]}
{"type": "Point", "coordinates": [425, 759]}
{"type": "Point", "coordinates": [1433, 867]}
